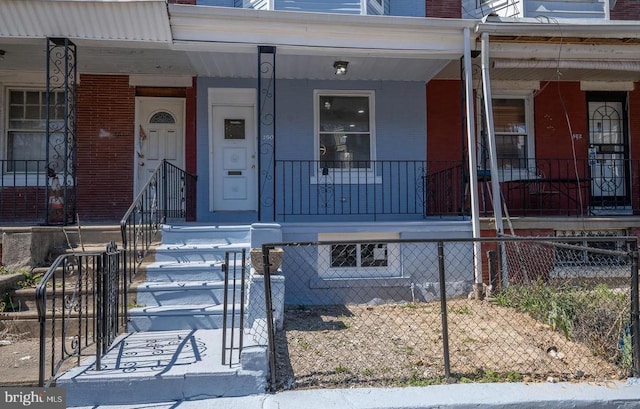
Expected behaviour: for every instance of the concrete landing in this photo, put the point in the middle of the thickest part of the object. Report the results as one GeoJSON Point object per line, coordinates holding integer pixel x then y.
{"type": "Point", "coordinates": [149, 367]}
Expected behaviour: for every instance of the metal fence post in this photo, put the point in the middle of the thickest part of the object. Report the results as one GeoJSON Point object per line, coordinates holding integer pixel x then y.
{"type": "Point", "coordinates": [635, 309]}
{"type": "Point", "coordinates": [271, 349]}
{"type": "Point", "coordinates": [493, 279]}
{"type": "Point", "coordinates": [443, 310]}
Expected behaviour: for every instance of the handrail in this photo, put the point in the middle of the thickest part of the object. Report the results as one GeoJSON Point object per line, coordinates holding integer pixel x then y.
{"type": "Point", "coordinates": [79, 298]}
{"type": "Point", "coordinates": [168, 194]}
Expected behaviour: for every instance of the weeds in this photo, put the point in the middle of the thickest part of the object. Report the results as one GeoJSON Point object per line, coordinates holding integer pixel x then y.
{"type": "Point", "coordinates": [596, 317]}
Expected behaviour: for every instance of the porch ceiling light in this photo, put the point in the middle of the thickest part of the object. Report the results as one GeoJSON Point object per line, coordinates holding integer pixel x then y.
{"type": "Point", "coordinates": [341, 67]}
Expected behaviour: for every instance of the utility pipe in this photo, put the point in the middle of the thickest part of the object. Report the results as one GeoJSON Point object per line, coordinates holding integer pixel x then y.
{"type": "Point", "coordinates": [473, 167]}
{"type": "Point", "coordinates": [491, 136]}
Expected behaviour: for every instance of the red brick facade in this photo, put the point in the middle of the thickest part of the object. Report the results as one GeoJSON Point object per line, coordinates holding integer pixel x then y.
{"type": "Point", "coordinates": [444, 123]}
{"type": "Point", "coordinates": [444, 8]}
{"type": "Point", "coordinates": [626, 10]}
{"type": "Point", "coordinates": [105, 132]}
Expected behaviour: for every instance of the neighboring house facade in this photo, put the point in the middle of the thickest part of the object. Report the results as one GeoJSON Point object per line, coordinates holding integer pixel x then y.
{"type": "Point", "coordinates": [313, 114]}
{"type": "Point", "coordinates": [564, 92]}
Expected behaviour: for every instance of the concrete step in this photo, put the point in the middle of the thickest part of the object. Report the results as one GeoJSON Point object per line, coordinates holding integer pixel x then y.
{"type": "Point", "coordinates": [177, 317]}
{"type": "Point", "coordinates": [176, 271]}
{"type": "Point", "coordinates": [195, 234]}
{"type": "Point", "coordinates": [196, 253]}
{"type": "Point", "coordinates": [143, 368]}
{"type": "Point", "coordinates": [156, 294]}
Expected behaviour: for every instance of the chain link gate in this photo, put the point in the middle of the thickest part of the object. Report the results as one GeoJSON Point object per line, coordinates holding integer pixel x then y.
{"type": "Point", "coordinates": [364, 313]}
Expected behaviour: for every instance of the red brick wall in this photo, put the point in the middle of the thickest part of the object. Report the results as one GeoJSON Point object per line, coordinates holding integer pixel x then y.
{"type": "Point", "coordinates": [626, 10]}
{"type": "Point", "coordinates": [444, 123]}
{"type": "Point", "coordinates": [105, 129]}
{"type": "Point", "coordinates": [444, 8]}
{"type": "Point", "coordinates": [554, 126]}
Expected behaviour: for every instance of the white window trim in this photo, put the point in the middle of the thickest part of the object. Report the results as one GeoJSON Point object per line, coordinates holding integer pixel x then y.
{"type": "Point", "coordinates": [392, 270]}
{"type": "Point", "coordinates": [529, 172]}
{"type": "Point", "coordinates": [344, 176]}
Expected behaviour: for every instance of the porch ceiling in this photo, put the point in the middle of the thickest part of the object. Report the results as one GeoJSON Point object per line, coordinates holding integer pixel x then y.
{"type": "Point", "coordinates": [452, 71]}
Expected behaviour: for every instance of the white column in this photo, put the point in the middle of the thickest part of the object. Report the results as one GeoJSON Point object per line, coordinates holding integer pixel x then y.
{"type": "Point", "coordinates": [473, 167]}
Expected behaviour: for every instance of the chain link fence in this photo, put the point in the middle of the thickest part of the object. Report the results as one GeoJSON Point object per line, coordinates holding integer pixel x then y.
{"type": "Point", "coordinates": [420, 312]}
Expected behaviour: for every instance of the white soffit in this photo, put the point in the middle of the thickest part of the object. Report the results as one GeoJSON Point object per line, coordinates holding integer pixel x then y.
{"type": "Point", "coordinates": [515, 85]}
{"type": "Point", "coordinates": [196, 28]}
{"type": "Point", "coordinates": [607, 85]}
{"type": "Point", "coordinates": [122, 20]}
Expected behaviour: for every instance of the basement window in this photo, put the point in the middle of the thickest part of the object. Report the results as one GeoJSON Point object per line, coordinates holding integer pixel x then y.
{"type": "Point", "coordinates": [582, 255]}
{"type": "Point", "coordinates": [372, 258]}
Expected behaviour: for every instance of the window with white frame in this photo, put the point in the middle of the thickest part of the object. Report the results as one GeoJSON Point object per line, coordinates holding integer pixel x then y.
{"type": "Point", "coordinates": [358, 259]}
{"type": "Point", "coordinates": [513, 131]}
{"type": "Point", "coordinates": [26, 140]}
{"type": "Point", "coordinates": [511, 126]}
{"type": "Point", "coordinates": [344, 129]}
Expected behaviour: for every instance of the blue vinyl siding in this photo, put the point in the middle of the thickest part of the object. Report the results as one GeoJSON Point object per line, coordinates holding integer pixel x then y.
{"type": "Point", "coordinates": [407, 8]}
{"type": "Point", "coordinates": [218, 3]}
{"type": "Point", "coordinates": [322, 6]}
{"type": "Point", "coordinates": [400, 129]}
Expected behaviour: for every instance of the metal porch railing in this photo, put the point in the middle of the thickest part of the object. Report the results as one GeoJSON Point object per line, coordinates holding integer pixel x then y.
{"type": "Point", "coordinates": [362, 190]}
{"type": "Point", "coordinates": [540, 187]}
{"type": "Point", "coordinates": [169, 194]}
{"type": "Point", "coordinates": [80, 310]}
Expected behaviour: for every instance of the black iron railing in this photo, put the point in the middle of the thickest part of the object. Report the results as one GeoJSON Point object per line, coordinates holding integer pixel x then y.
{"type": "Point", "coordinates": [233, 307]}
{"type": "Point", "coordinates": [169, 194]}
{"type": "Point", "coordinates": [23, 190]}
{"type": "Point", "coordinates": [357, 190]}
{"type": "Point", "coordinates": [540, 187]}
{"type": "Point", "coordinates": [79, 310]}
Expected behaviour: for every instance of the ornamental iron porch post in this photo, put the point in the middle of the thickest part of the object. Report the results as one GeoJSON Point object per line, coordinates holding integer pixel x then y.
{"type": "Point", "coordinates": [61, 148]}
{"type": "Point", "coordinates": [266, 132]}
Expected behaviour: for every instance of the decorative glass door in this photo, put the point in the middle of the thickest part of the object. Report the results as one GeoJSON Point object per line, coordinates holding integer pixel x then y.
{"type": "Point", "coordinates": [608, 151]}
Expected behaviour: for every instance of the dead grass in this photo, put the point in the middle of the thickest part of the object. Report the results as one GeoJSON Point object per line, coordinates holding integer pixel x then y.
{"type": "Point", "coordinates": [402, 344]}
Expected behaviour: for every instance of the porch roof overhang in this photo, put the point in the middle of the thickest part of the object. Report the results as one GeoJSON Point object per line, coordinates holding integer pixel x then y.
{"type": "Point", "coordinates": [567, 50]}
{"type": "Point", "coordinates": [121, 20]}
{"type": "Point", "coordinates": [222, 42]}
{"type": "Point", "coordinates": [113, 37]}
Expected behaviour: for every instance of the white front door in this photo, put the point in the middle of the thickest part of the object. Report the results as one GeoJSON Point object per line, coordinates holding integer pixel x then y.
{"type": "Point", "coordinates": [159, 135]}
{"type": "Point", "coordinates": [234, 158]}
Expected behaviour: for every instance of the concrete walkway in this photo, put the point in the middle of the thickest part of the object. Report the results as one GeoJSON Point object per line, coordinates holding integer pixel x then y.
{"type": "Point", "coordinates": [614, 395]}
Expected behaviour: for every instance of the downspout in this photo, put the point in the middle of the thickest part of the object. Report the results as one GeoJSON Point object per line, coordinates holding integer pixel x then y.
{"type": "Point", "coordinates": [491, 136]}
{"type": "Point", "coordinates": [473, 167]}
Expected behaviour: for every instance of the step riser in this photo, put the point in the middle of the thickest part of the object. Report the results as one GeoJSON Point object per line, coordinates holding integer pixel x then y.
{"type": "Point", "coordinates": [184, 256]}
{"type": "Point", "coordinates": [158, 275]}
{"type": "Point", "coordinates": [207, 235]}
{"type": "Point", "coordinates": [149, 390]}
{"type": "Point", "coordinates": [168, 322]}
{"type": "Point", "coordinates": [184, 297]}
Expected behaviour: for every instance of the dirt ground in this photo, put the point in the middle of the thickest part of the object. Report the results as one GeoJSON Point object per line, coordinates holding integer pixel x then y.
{"type": "Point", "coordinates": [402, 344]}
{"type": "Point", "coordinates": [18, 359]}
{"type": "Point", "coordinates": [394, 344]}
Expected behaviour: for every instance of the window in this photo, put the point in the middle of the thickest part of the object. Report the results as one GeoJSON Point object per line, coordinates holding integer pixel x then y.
{"type": "Point", "coordinates": [358, 259]}
{"type": "Point", "coordinates": [344, 131]}
{"type": "Point", "coordinates": [510, 125]}
{"type": "Point", "coordinates": [27, 127]}
{"type": "Point", "coordinates": [581, 254]}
